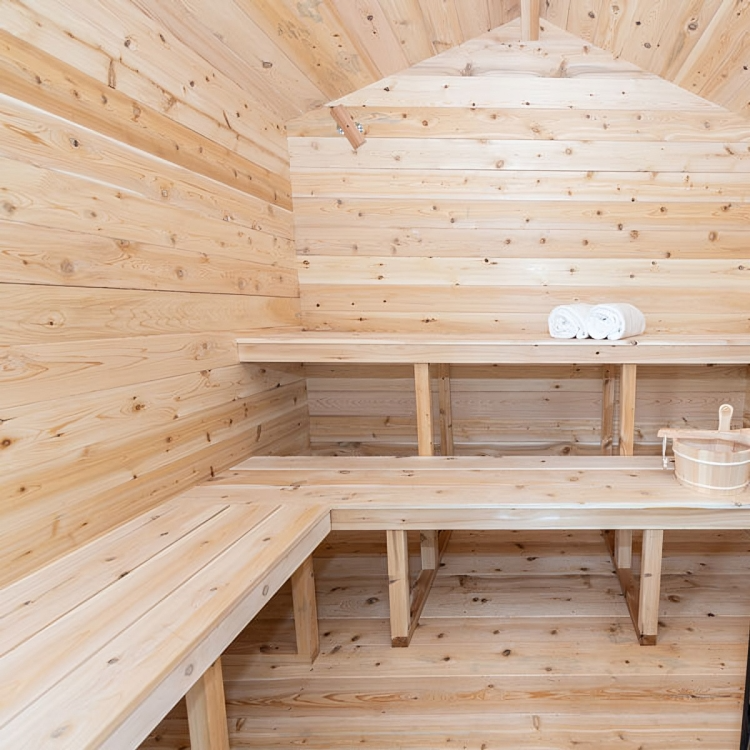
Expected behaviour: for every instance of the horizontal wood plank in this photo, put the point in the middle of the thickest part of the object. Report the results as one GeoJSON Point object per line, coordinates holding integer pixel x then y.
{"type": "Point", "coordinates": [57, 314]}
{"type": "Point", "coordinates": [531, 92]}
{"type": "Point", "coordinates": [581, 123]}
{"type": "Point", "coordinates": [498, 154]}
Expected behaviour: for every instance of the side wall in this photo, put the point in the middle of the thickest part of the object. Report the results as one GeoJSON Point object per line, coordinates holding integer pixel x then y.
{"type": "Point", "coordinates": [501, 179]}
{"type": "Point", "coordinates": [140, 230]}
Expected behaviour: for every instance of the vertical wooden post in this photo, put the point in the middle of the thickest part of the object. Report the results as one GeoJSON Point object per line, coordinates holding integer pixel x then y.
{"type": "Point", "coordinates": [426, 447]}
{"type": "Point", "coordinates": [608, 411]}
{"type": "Point", "coordinates": [529, 20]}
{"type": "Point", "coordinates": [207, 711]}
{"type": "Point", "coordinates": [305, 608]}
{"type": "Point", "coordinates": [428, 548]}
{"type": "Point", "coordinates": [445, 410]}
{"type": "Point", "coordinates": [627, 409]}
{"type": "Point", "coordinates": [624, 537]}
{"type": "Point", "coordinates": [423, 392]}
{"type": "Point", "coordinates": [399, 590]}
{"type": "Point", "coordinates": [648, 604]}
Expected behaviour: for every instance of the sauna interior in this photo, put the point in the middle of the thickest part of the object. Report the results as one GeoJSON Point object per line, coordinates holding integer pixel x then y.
{"type": "Point", "coordinates": [172, 179]}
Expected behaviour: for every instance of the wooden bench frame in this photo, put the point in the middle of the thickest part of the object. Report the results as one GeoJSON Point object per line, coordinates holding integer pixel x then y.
{"type": "Point", "coordinates": [83, 704]}
{"type": "Point", "coordinates": [83, 708]}
{"type": "Point", "coordinates": [396, 495]}
{"type": "Point", "coordinates": [441, 351]}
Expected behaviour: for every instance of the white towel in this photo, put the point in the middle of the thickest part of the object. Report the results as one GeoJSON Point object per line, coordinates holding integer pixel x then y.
{"type": "Point", "coordinates": [569, 321]}
{"type": "Point", "coordinates": [613, 321]}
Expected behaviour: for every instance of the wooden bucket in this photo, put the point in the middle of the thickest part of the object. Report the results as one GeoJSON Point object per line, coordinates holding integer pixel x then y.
{"type": "Point", "coordinates": [713, 462]}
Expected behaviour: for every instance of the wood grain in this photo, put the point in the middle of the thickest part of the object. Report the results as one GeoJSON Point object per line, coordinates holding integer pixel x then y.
{"type": "Point", "coordinates": [518, 680]}
{"type": "Point", "coordinates": [104, 109]}
{"type": "Point", "coordinates": [135, 217]}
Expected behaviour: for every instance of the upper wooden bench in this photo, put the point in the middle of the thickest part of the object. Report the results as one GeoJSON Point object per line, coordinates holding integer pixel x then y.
{"type": "Point", "coordinates": [332, 346]}
{"type": "Point", "coordinates": [97, 646]}
{"type": "Point", "coordinates": [422, 350]}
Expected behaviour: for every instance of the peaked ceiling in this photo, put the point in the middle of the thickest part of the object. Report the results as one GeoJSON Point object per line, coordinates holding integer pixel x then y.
{"type": "Point", "coordinates": [294, 55]}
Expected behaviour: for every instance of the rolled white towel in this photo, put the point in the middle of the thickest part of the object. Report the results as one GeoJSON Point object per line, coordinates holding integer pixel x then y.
{"type": "Point", "coordinates": [569, 321]}
{"type": "Point", "coordinates": [615, 320]}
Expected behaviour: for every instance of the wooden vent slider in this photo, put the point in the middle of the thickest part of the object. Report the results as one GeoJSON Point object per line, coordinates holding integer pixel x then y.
{"type": "Point", "coordinates": [346, 122]}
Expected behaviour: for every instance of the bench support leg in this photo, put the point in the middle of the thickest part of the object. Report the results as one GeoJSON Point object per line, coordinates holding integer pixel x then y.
{"type": "Point", "coordinates": [445, 409]}
{"type": "Point", "coordinates": [399, 591]}
{"type": "Point", "coordinates": [305, 610]}
{"type": "Point", "coordinates": [426, 447]}
{"type": "Point", "coordinates": [648, 601]}
{"type": "Point", "coordinates": [623, 551]}
{"type": "Point", "coordinates": [642, 598]}
{"type": "Point", "coordinates": [423, 393]}
{"type": "Point", "coordinates": [624, 537]}
{"type": "Point", "coordinates": [608, 411]}
{"type": "Point", "coordinates": [407, 605]}
{"type": "Point", "coordinates": [407, 602]}
{"type": "Point", "coordinates": [627, 409]}
{"type": "Point", "coordinates": [428, 545]}
{"type": "Point", "coordinates": [207, 712]}
{"type": "Point", "coordinates": [438, 544]}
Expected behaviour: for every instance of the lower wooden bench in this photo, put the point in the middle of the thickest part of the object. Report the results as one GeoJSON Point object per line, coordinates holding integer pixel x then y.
{"type": "Point", "coordinates": [396, 495]}
{"type": "Point", "coordinates": [96, 647]}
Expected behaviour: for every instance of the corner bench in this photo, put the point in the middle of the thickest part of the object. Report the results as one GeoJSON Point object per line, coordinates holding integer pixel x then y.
{"type": "Point", "coordinates": [97, 646]}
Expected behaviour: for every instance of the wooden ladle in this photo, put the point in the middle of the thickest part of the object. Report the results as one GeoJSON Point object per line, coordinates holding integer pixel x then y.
{"type": "Point", "coordinates": [723, 433]}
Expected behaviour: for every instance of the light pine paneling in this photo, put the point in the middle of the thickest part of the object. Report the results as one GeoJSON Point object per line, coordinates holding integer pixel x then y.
{"type": "Point", "coordinates": [510, 409]}
{"type": "Point", "coordinates": [698, 44]}
{"type": "Point", "coordinates": [32, 75]}
{"type": "Point", "coordinates": [471, 207]}
{"type": "Point", "coordinates": [143, 225]}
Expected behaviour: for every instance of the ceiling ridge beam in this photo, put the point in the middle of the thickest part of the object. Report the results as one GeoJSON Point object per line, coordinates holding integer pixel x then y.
{"type": "Point", "coordinates": [529, 20]}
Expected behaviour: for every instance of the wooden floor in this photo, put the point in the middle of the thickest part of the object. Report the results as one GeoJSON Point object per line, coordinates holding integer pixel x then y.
{"type": "Point", "coordinates": [525, 643]}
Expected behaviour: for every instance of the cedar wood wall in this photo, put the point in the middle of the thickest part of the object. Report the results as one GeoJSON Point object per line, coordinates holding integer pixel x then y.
{"type": "Point", "coordinates": [140, 231]}
{"type": "Point", "coordinates": [145, 218]}
{"type": "Point", "coordinates": [498, 180]}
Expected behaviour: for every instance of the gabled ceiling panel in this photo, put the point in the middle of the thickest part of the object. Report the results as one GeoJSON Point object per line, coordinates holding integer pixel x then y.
{"type": "Point", "coordinates": [291, 56]}
{"type": "Point", "coordinates": [702, 45]}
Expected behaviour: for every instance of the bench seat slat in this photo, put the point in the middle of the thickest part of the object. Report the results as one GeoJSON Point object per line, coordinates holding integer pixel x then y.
{"type": "Point", "coordinates": [74, 637]}
{"type": "Point", "coordinates": [636, 495]}
{"type": "Point", "coordinates": [127, 656]}
{"type": "Point", "coordinates": [26, 606]}
{"type": "Point", "coordinates": [519, 519]}
{"type": "Point", "coordinates": [339, 470]}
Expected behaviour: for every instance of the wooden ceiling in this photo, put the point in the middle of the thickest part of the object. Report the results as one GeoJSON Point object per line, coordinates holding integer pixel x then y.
{"type": "Point", "coordinates": [294, 55]}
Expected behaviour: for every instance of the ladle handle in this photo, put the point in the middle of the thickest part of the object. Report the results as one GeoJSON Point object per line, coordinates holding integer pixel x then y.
{"type": "Point", "coordinates": [725, 417]}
